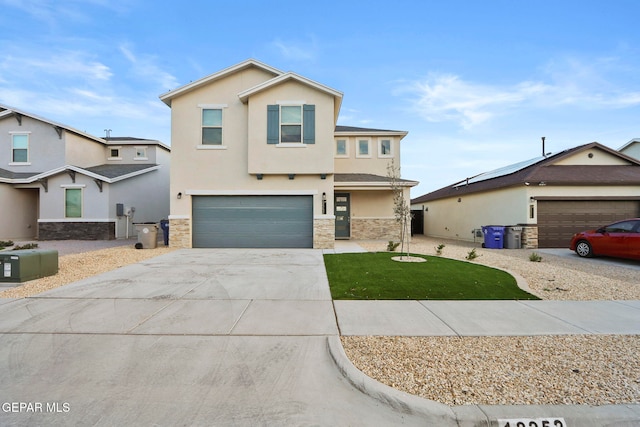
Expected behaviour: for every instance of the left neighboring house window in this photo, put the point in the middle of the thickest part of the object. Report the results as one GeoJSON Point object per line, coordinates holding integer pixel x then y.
{"type": "Point", "coordinates": [115, 152]}
{"type": "Point", "coordinates": [20, 147]}
{"type": "Point", "coordinates": [212, 126]}
{"type": "Point", "coordinates": [73, 203]}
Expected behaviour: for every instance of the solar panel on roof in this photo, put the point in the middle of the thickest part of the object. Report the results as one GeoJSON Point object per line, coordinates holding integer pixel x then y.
{"type": "Point", "coordinates": [506, 170]}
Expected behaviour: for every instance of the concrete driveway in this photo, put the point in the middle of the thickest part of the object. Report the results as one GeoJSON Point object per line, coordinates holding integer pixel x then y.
{"type": "Point", "coordinates": [194, 337]}
{"type": "Point", "coordinates": [566, 253]}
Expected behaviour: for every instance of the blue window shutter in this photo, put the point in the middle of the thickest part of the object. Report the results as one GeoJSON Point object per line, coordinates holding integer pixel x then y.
{"type": "Point", "coordinates": [309, 124]}
{"type": "Point", "coordinates": [273, 124]}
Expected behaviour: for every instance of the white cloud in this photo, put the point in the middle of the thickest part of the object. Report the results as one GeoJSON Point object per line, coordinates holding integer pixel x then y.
{"type": "Point", "coordinates": [145, 66]}
{"type": "Point", "coordinates": [446, 97]}
{"type": "Point", "coordinates": [298, 51]}
{"type": "Point", "coordinates": [66, 64]}
{"type": "Point", "coordinates": [565, 83]}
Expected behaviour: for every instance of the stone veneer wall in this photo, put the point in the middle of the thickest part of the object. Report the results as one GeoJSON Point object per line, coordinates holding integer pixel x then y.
{"type": "Point", "coordinates": [324, 231]}
{"type": "Point", "coordinates": [530, 237]}
{"type": "Point", "coordinates": [375, 228]}
{"type": "Point", "coordinates": [180, 233]}
{"type": "Point", "coordinates": [76, 230]}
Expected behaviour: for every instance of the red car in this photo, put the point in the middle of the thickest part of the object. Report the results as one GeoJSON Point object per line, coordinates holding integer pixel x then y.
{"type": "Point", "coordinates": [620, 239]}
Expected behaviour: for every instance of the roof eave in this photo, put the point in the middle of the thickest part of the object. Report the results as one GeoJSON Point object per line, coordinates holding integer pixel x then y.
{"type": "Point", "coordinates": [168, 96]}
{"type": "Point", "coordinates": [363, 132]}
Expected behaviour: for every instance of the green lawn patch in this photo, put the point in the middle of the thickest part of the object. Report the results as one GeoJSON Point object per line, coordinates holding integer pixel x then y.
{"type": "Point", "coordinates": [374, 276]}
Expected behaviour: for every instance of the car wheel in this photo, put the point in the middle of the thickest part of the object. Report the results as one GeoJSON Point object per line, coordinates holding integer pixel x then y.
{"type": "Point", "coordinates": [583, 248]}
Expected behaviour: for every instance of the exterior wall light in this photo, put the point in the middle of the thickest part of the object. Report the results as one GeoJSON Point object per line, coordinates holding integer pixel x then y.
{"type": "Point", "coordinates": [324, 203]}
{"type": "Point", "coordinates": [179, 195]}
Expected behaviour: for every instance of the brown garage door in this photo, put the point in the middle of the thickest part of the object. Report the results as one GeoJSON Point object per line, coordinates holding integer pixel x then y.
{"type": "Point", "coordinates": [558, 220]}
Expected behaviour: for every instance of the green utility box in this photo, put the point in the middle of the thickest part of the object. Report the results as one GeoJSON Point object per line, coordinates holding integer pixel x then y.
{"type": "Point", "coordinates": [24, 265]}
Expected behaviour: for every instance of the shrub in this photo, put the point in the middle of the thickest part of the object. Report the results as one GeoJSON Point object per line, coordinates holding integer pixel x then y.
{"type": "Point", "coordinates": [439, 248]}
{"type": "Point", "coordinates": [534, 257]}
{"type": "Point", "coordinates": [27, 246]}
{"type": "Point", "coordinates": [5, 243]}
{"type": "Point", "coordinates": [472, 255]}
{"type": "Point", "coordinates": [391, 246]}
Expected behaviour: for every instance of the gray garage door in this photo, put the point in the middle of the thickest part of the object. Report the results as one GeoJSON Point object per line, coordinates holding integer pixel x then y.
{"type": "Point", "coordinates": [252, 221]}
{"type": "Point", "coordinates": [558, 220]}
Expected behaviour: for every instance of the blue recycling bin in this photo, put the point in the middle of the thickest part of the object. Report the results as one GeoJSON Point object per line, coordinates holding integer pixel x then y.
{"type": "Point", "coordinates": [164, 225]}
{"type": "Point", "coordinates": [493, 236]}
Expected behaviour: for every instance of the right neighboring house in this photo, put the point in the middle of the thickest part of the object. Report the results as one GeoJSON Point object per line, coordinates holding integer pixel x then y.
{"type": "Point", "coordinates": [550, 197]}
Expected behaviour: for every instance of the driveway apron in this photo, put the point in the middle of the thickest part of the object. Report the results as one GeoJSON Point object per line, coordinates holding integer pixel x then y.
{"type": "Point", "coordinates": [193, 337]}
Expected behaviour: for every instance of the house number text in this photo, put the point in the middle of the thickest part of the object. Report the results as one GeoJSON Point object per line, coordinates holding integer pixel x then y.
{"type": "Point", "coordinates": [532, 422]}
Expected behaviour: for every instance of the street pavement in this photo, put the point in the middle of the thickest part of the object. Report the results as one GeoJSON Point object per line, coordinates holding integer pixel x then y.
{"type": "Point", "coordinates": [251, 337]}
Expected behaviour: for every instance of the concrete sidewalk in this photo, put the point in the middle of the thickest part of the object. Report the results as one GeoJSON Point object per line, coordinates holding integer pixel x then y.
{"type": "Point", "coordinates": [249, 337]}
{"type": "Point", "coordinates": [487, 318]}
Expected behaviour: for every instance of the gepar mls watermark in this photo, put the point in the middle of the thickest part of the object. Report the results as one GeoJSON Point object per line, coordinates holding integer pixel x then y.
{"type": "Point", "coordinates": [36, 407]}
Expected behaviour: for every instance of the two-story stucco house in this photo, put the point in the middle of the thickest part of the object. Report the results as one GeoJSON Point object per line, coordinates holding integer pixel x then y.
{"type": "Point", "coordinates": [257, 161]}
{"type": "Point", "coordinates": [57, 182]}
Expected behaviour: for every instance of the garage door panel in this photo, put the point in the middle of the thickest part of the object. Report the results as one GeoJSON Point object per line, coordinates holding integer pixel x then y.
{"type": "Point", "coordinates": [558, 220]}
{"type": "Point", "coordinates": [253, 221]}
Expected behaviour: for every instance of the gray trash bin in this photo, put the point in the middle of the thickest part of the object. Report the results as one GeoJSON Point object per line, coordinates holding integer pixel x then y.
{"type": "Point", "coordinates": [148, 235]}
{"type": "Point", "coordinates": [513, 237]}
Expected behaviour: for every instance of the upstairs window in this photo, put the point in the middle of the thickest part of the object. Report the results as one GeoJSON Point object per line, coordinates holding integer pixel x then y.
{"type": "Point", "coordinates": [341, 148]}
{"type": "Point", "coordinates": [363, 146]}
{"type": "Point", "coordinates": [291, 124]}
{"type": "Point", "coordinates": [212, 126]}
{"type": "Point", "coordinates": [114, 153]}
{"type": "Point", "coordinates": [141, 153]}
{"type": "Point", "coordinates": [384, 148]}
{"type": "Point", "coordinates": [20, 148]}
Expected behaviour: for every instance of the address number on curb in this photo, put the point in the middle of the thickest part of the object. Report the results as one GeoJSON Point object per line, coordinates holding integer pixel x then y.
{"type": "Point", "coordinates": [532, 422]}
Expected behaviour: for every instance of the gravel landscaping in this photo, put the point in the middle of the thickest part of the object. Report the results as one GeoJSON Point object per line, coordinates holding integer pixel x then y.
{"type": "Point", "coordinates": [578, 369]}
{"type": "Point", "coordinates": [593, 369]}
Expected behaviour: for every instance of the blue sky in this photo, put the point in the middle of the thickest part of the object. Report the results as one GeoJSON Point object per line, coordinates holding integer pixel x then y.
{"type": "Point", "coordinates": [476, 84]}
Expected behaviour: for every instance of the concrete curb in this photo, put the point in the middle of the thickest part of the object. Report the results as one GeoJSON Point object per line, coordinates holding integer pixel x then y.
{"type": "Point", "coordinates": [439, 414]}
{"type": "Point", "coordinates": [434, 413]}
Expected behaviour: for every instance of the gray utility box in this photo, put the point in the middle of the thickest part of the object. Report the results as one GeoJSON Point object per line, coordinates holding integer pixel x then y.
{"type": "Point", "coordinates": [513, 237]}
{"type": "Point", "coordinates": [24, 265]}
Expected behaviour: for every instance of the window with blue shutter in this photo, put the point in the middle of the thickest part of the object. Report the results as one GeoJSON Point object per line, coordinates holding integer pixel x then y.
{"type": "Point", "coordinates": [273, 124]}
{"type": "Point", "coordinates": [291, 124]}
{"type": "Point", "coordinates": [309, 123]}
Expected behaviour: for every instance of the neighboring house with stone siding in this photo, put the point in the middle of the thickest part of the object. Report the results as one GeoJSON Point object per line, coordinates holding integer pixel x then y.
{"type": "Point", "coordinates": [258, 161]}
{"type": "Point", "coordinates": [551, 197]}
{"type": "Point", "coordinates": [59, 183]}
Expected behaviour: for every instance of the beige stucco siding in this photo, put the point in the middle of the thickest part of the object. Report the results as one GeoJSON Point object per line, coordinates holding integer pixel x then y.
{"type": "Point", "coordinates": [453, 219]}
{"type": "Point", "coordinates": [374, 163]}
{"type": "Point", "coordinates": [82, 152]}
{"type": "Point", "coordinates": [448, 218]}
{"type": "Point", "coordinates": [595, 156]}
{"type": "Point", "coordinates": [291, 158]}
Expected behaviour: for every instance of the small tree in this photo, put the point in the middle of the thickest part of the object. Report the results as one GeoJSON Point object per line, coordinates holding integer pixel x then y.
{"type": "Point", "coordinates": [401, 208]}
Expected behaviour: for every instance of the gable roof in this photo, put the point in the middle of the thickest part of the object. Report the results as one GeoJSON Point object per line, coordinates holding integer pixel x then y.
{"type": "Point", "coordinates": [168, 96]}
{"type": "Point", "coordinates": [630, 143]}
{"type": "Point", "coordinates": [289, 76]}
{"type": "Point", "coordinates": [544, 171]}
{"type": "Point", "coordinates": [108, 173]}
{"type": "Point", "coordinates": [6, 111]}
